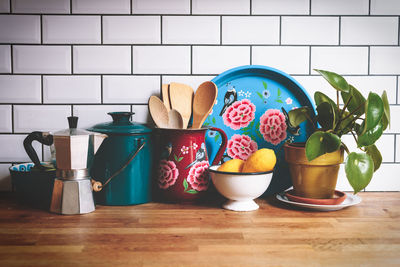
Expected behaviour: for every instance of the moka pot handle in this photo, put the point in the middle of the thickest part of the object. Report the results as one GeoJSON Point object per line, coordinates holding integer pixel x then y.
{"type": "Point", "coordinates": [44, 138]}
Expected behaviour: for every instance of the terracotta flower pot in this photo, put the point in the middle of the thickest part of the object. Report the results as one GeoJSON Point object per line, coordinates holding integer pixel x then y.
{"type": "Point", "coordinates": [316, 178]}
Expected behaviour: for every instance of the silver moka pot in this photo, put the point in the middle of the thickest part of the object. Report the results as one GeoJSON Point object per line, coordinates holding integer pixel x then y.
{"type": "Point", "coordinates": [75, 149]}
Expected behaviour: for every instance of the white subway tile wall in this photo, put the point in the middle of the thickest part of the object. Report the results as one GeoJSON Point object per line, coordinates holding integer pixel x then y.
{"type": "Point", "coordinates": [40, 6]}
{"type": "Point", "coordinates": [339, 7]}
{"type": "Point", "coordinates": [90, 57]}
{"type": "Point", "coordinates": [5, 59]}
{"type": "Point", "coordinates": [131, 30]}
{"type": "Point", "coordinates": [250, 30]}
{"type": "Point", "coordinates": [281, 7]}
{"type": "Point", "coordinates": [161, 7]}
{"type": "Point", "coordinates": [191, 30]}
{"type": "Point", "coordinates": [310, 30]}
{"type": "Point", "coordinates": [4, 6]}
{"type": "Point", "coordinates": [71, 29]}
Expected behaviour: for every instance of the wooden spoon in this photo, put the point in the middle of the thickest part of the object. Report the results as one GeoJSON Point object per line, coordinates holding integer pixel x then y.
{"type": "Point", "coordinates": [181, 97]}
{"type": "Point", "coordinates": [175, 119]}
{"type": "Point", "coordinates": [158, 112]}
{"type": "Point", "coordinates": [165, 96]}
{"type": "Point", "coordinates": [203, 102]}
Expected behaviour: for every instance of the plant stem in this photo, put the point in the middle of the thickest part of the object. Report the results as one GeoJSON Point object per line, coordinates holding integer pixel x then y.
{"type": "Point", "coordinates": [312, 122]}
{"type": "Point", "coordinates": [337, 101]}
{"type": "Point", "coordinates": [345, 106]}
{"type": "Point", "coordinates": [355, 138]}
{"type": "Point", "coordinates": [354, 111]}
{"type": "Point", "coordinates": [348, 124]}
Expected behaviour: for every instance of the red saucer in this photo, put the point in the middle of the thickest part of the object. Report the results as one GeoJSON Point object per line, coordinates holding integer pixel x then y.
{"type": "Point", "coordinates": [337, 199]}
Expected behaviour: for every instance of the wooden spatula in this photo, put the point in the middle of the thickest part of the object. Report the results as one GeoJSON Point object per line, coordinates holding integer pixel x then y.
{"type": "Point", "coordinates": [165, 96]}
{"type": "Point", "coordinates": [158, 112]}
{"type": "Point", "coordinates": [181, 97]}
{"type": "Point", "coordinates": [203, 102]}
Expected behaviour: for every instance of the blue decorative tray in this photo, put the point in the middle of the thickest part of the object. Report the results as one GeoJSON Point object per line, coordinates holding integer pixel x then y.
{"type": "Point", "coordinates": [249, 109]}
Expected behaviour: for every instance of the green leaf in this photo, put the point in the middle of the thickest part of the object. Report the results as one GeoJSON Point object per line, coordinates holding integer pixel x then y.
{"type": "Point", "coordinates": [175, 158]}
{"type": "Point", "coordinates": [206, 124]}
{"type": "Point", "coordinates": [326, 115]}
{"type": "Point", "coordinates": [320, 143]}
{"type": "Point", "coordinates": [359, 168]}
{"type": "Point", "coordinates": [265, 85]}
{"type": "Point", "coordinates": [321, 97]}
{"type": "Point", "coordinates": [376, 156]}
{"type": "Point", "coordinates": [386, 111]}
{"type": "Point", "coordinates": [213, 120]}
{"type": "Point", "coordinates": [279, 92]}
{"type": "Point", "coordinates": [357, 100]}
{"type": "Point", "coordinates": [298, 115]}
{"type": "Point", "coordinates": [185, 184]}
{"type": "Point", "coordinates": [260, 95]}
{"type": "Point", "coordinates": [181, 158]}
{"type": "Point", "coordinates": [369, 137]}
{"type": "Point", "coordinates": [373, 112]}
{"type": "Point", "coordinates": [336, 80]}
{"type": "Point", "coordinates": [279, 101]}
{"type": "Point", "coordinates": [216, 137]}
{"type": "Point", "coordinates": [191, 191]}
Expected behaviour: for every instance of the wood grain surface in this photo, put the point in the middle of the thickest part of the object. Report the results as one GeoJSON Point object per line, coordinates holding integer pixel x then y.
{"type": "Point", "coordinates": [157, 234]}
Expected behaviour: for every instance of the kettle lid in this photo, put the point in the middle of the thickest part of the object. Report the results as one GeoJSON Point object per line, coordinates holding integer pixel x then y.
{"type": "Point", "coordinates": [121, 124]}
{"type": "Point", "coordinates": [72, 130]}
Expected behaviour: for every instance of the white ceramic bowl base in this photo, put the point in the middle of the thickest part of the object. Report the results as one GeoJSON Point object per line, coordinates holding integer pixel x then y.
{"type": "Point", "coordinates": [240, 188]}
{"type": "Point", "coordinates": [240, 205]}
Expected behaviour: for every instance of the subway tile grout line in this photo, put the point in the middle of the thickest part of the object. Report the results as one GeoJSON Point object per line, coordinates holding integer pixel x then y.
{"type": "Point", "coordinates": [369, 8]}
{"type": "Point", "coordinates": [309, 60]}
{"type": "Point", "coordinates": [309, 7]}
{"type": "Point", "coordinates": [41, 29]}
{"type": "Point", "coordinates": [161, 30]}
{"type": "Point", "coordinates": [191, 7]}
{"type": "Point", "coordinates": [191, 60]}
{"type": "Point", "coordinates": [70, 7]}
{"type": "Point", "coordinates": [251, 7]}
{"type": "Point", "coordinates": [280, 30]}
{"type": "Point", "coordinates": [369, 60]}
{"type": "Point", "coordinates": [41, 89]}
{"type": "Point", "coordinates": [72, 60]}
{"type": "Point", "coordinates": [101, 30]}
{"type": "Point", "coordinates": [397, 90]}
{"type": "Point", "coordinates": [251, 55]}
{"type": "Point", "coordinates": [398, 31]}
{"type": "Point", "coordinates": [395, 146]}
{"type": "Point", "coordinates": [101, 90]}
{"type": "Point", "coordinates": [340, 31]}
{"type": "Point", "coordinates": [220, 30]}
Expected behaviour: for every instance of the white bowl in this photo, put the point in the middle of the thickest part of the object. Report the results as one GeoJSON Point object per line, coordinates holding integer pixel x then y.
{"type": "Point", "coordinates": [240, 188]}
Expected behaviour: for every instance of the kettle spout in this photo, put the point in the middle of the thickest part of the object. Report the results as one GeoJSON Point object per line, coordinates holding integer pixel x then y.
{"type": "Point", "coordinates": [98, 140]}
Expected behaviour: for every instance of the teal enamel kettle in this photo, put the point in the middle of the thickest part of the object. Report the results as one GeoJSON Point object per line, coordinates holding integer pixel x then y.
{"type": "Point", "coordinates": [123, 165]}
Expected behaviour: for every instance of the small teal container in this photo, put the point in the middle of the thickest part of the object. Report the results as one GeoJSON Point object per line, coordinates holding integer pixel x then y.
{"type": "Point", "coordinates": [124, 162]}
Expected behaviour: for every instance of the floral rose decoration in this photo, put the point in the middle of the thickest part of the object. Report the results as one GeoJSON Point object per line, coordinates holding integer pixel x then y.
{"type": "Point", "coordinates": [168, 174]}
{"type": "Point", "coordinates": [241, 147]}
{"type": "Point", "coordinates": [239, 114]}
{"type": "Point", "coordinates": [198, 176]}
{"type": "Point", "coordinates": [273, 126]}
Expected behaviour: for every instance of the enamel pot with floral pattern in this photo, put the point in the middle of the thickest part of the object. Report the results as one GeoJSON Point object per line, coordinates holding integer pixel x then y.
{"type": "Point", "coordinates": [182, 174]}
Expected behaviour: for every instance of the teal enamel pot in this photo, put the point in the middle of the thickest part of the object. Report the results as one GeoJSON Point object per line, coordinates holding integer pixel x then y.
{"type": "Point", "coordinates": [122, 167]}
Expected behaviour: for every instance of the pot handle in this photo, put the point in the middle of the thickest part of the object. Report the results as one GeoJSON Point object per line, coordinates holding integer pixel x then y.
{"type": "Point", "coordinates": [98, 186]}
{"type": "Point", "coordinates": [221, 150]}
{"type": "Point", "coordinates": [44, 138]}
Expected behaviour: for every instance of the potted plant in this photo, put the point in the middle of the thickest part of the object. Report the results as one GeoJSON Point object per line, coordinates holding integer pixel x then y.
{"type": "Point", "coordinates": [314, 165]}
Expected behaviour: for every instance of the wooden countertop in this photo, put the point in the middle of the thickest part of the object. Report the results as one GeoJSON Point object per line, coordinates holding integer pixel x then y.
{"type": "Point", "coordinates": [158, 234]}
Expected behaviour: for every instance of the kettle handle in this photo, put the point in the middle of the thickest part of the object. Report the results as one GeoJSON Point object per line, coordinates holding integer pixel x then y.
{"type": "Point", "coordinates": [221, 150]}
{"type": "Point", "coordinates": [44, 138]}
{"type": "Point", "coordinates": [98, 186]}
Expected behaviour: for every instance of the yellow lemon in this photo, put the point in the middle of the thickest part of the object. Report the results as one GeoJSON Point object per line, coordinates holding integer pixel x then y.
{"type": "Point", "coordinates": [233, 165]}
{"type": "Point", "coordinates": [262, 160]}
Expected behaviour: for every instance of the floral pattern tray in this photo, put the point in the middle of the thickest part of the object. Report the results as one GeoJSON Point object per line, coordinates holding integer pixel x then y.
{"type": "Point", "coordinates": [249, 109]}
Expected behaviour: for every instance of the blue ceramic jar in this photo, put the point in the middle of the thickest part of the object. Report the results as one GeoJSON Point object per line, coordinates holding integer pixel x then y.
{"type": "Point", "coordinates": [126, 156]}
